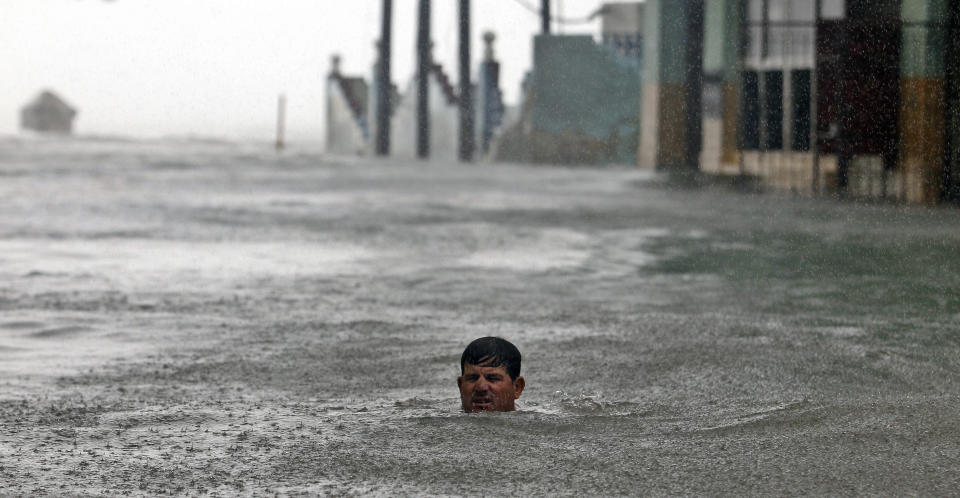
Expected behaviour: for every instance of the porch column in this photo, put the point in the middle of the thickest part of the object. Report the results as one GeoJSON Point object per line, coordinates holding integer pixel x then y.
{"type": "Point", "coordinates": [673, 59]}
{"type": "Point", "coordinates": [721, 61]}
{"type": "Point", "coordinates": [923, 100]}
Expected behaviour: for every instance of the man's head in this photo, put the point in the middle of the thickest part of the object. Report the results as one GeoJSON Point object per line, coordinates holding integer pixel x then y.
{"type": "Point", "coordinates": [490, 376]}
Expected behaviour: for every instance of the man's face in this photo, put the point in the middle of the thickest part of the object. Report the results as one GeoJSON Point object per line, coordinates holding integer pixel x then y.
{"type": "Point", "coordinates": [485, 389]}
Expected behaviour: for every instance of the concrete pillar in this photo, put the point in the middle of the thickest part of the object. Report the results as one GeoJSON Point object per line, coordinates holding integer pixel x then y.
{"type": "Point", "coordinates": [382, 78]}
{"type": "Point", "coordinates": [952, 176]}
{"type": "Point", "coordinates": [923, 100]}
{"type": "Point", "coordinates": [721, 58]}
{"type": "Point", "coordinates": [670, 112]}
{"type": "Point", "coordinates": [424, 63]}
{"type": "Point", "coordinates": [466, 145]}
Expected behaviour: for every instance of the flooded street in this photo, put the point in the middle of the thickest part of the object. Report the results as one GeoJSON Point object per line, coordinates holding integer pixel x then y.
{"type": "Point", "coordinates": [185, 317]}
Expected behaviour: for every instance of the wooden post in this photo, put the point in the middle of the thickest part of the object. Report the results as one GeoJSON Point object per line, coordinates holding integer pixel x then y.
{"type": "Point", "coordinates": [384, 106]}
{"type": "Point", "coordinates": [423, 81]}
{"type": "Point", "coordinates": [466, 86]}
{"type": "Point", "coordinates": [281, 118]}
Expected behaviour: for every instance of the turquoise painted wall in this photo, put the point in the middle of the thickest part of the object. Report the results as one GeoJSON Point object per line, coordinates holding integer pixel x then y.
{"type": "Point", "coordinates": [581, 87]}
{"type": "Point", "coordinates": [665, 35]}
{"type": "Point", "coordinates": [924, 38]}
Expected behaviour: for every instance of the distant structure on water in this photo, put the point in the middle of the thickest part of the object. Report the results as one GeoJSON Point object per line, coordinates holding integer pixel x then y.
{"type": "Point", "coordinates": [348, 131]}
{"type": "Point", "coordinates": [351, 110]}
{"type": "Point", "coordinates": [48, 113]}
{"type": "Point", "coordinates": [848, 98]}
{"type": "Point", "coordinates": [582, 100]}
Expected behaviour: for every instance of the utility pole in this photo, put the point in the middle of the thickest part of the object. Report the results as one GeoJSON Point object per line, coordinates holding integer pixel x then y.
{"type": "Point", "coordinates": [281, 121]}
{"type": "Point", "coordinates": [545, 17]}
{"type": "Point", "coordinates": [466, 93]}
{"type": "Point", "coordinates": [384, 106]}
{"type": "Point", "coordinates": [423, 81]}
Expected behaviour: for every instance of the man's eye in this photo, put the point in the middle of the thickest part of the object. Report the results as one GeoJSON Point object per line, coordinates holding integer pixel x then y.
{"type": "Point", "coordinates": [493, 378]}
{"type": "Point", "coordinates": [473, 377]}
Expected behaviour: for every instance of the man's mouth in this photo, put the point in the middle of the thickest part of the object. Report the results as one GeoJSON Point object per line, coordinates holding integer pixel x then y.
{"type": "Point", "coordinates": [481, 403]}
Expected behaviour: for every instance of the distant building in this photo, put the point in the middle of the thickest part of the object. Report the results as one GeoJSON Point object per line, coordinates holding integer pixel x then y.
{"type": "Point", "coordinates": [48, 113]}
{"type": "Point", "coordinates": [860, 98]}
{"type": "Point", "coordinates": [581, 102]}
{"type": "Point", "coordinates": [622, 28]}
{"type": "Point", "coordinates": [352, 111]}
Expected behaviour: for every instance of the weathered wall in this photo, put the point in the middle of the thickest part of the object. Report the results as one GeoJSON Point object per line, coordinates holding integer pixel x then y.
{"type": "Point", "coordinates": [584, 103]}
{"type": "Point", "coordinates": [664, 140]}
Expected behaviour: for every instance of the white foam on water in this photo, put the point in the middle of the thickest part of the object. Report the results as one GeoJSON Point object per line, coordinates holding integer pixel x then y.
{"type": "Point", "coordinates": [549, 249]}
{"type": "Point", "coordinates": [129, 264]}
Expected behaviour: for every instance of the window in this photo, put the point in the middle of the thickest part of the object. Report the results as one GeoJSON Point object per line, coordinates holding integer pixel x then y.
{"type": "Point", "coordinates": [802, 10]}
{"type": "Point", "coordinates": [751, 111]}
{"type": "Point", "coordinates": [773, 110]}
{"type": "Point", "coordinates": [833, 9]}
{"type": "Point", "coordinates": [783, 32]}
{"type": "Point", "coordinates": [778, 10]}
{"type": "Point", "coordinates": [800, 84]}
{"type": "Point", "coordinates": [755, 13]}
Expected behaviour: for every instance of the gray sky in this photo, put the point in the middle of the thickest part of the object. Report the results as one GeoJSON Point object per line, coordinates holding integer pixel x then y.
{"type": "Point", "coordinates": [215, 67]}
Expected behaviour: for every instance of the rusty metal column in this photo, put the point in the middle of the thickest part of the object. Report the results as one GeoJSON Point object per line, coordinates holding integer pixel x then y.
{"type": "Point", "coordinates": [384, 106]}
{"type": "Point", "coordinates": [423, 81]}
{"type": "Point", "coordinates": [466, 86]}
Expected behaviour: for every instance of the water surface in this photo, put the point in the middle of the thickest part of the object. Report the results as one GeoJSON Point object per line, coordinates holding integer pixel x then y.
{"type": "Point", "coordinates": [201, 317]}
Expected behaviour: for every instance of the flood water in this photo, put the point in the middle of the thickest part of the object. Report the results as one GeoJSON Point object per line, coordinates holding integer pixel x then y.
{"type": "Point", "coordinates": [190, 317]}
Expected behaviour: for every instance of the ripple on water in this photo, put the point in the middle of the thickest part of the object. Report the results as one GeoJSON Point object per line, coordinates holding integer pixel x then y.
{"type": "Point", "coordinates": [20, 325]}
{"type": "Point", "coordinates": [61, 332]}
{"type": "Point", "coordinates": [561, 407]}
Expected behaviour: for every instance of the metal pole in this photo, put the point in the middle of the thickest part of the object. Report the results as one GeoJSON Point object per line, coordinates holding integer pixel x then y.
{"type": "Point", "coordinates": [281, 121]}
{"type": "Point", "coordinates": [466, 93]}
{"type": "Point", "coordinates": [762, 165]}
{"type": "Point", "coordinates": [423, 80]}
{"type": "Point", "coordinates": [545, 17]}
{"type": "Point", "coordinates": [743, 29]}
{"type": "Point", "coordinates": [384, 106]}
{"type": "Point", "coordinates": [694, 84]}
{"type": "Point", "coordinates": [814, 105]}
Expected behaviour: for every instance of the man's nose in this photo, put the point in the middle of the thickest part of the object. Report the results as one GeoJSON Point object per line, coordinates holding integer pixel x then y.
{"type": "Point", "coordinates": [482, 384]}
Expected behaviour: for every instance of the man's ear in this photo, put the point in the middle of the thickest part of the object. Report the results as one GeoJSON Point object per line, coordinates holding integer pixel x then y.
{"type": "Point", "coordinates": [460, 382]}
{"type": "Point", "coordinates": [518, 386]}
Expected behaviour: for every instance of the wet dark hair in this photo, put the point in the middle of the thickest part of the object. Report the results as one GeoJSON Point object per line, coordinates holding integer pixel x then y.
{"type": "Point", "coordinates": [492, 352]}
